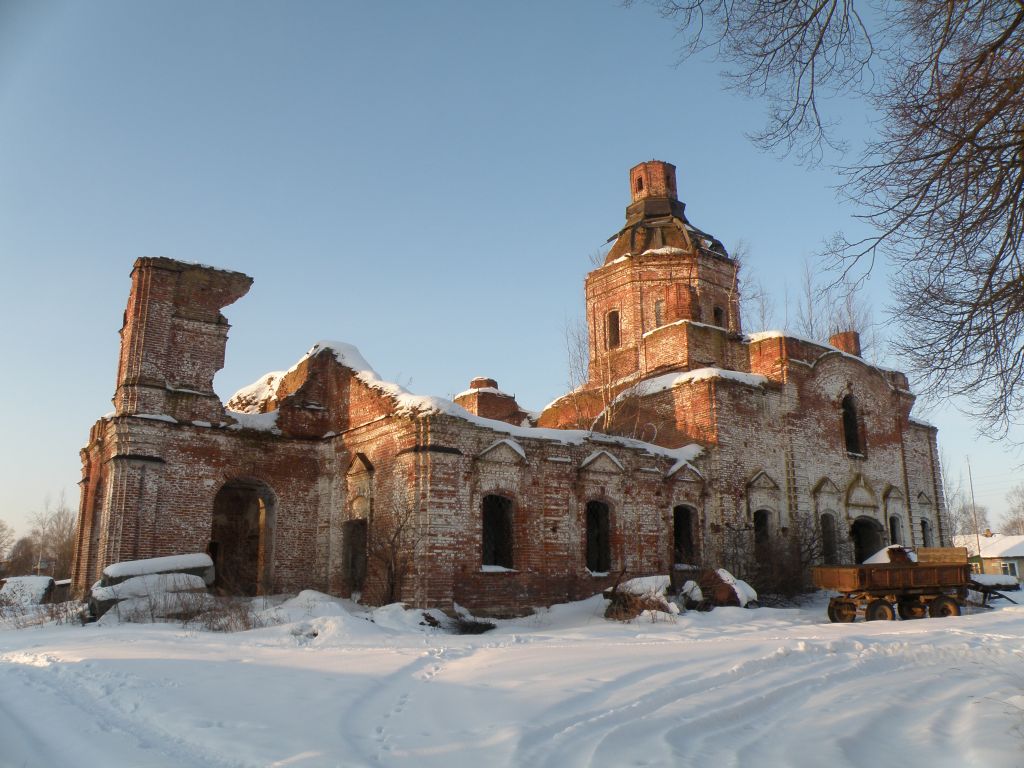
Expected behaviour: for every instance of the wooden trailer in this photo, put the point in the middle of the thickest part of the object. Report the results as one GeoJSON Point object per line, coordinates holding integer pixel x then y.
{"type": "Point", "coordinates": [936, 585]}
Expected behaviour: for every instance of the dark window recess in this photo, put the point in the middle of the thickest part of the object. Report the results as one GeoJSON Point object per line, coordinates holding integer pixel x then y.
{"type": "Point", "coordinates": [599, 554]}
{"type": "Point", "coordinates": [762, 537]}
{"type": "Point", "coordinates": [926, 534]}
{"type": "Point", "coordinates": [612, 329]}
{"type": "Point", "coordinates": [659, 313]}
{"type": "Point", "coordinates": [851, 427]}
{"type": "Point", "coordinates": [719, 314]}
{"type": "Point", "coordinates": [895, 530]}
{"type": "Point", "coordinates": [353, 556]}
{"type": "Point", "coordinates": [639, 184]}
{"type": "Point", "coordinates": [682, 535]}
{"type": "Point", "coordinates": [497, 538]}
{"type": "Point", "coordinates": [828, 540]}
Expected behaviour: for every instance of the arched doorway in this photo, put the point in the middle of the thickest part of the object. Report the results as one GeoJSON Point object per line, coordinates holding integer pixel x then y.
{"type": "Point", "coordinates": [868, 537]}
{"type": "Point", "coordinates": [683, 550]}
{"type": "Point", "coordinates": [242, 537]}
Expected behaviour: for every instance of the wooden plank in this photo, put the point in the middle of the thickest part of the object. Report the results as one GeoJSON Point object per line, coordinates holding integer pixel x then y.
{"type": "Point", "coordinates": [929, 555]}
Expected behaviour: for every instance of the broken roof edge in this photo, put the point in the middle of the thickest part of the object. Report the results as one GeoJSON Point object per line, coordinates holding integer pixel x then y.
{"type": "Point", "coordinates": [409, 404]}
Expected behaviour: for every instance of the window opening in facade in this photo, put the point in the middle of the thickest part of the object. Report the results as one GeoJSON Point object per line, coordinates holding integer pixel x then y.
{"type": "Point", "coordinates": [612, 329]}
{"type": "Point", "coordinates": [599, 553]}
{"type": "Point", "coordinates": [1009, 569]}
{"type": "Point", "coordinates": [762, 535]}
{"type": "Point", "coordinates": [895, 530]}
{"type": "Point", "coordinates": [851, 427]}
{"type": "Point", "coordinates": [719, 315]}
{"type": "Point", "coordinates": [683, 551]}
{"type": "Point", "coordinates": [829, 548]}
{"type": "Point", "coordinates": [659, 313]}
{"type": "Point", "coordinates": [926, 534]}
{"type": "Point", "coordinates": [497, 533]}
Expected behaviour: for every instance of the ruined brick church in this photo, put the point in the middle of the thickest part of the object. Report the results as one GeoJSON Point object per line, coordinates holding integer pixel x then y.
{"type": "Point", "coordinates": [690, 442]}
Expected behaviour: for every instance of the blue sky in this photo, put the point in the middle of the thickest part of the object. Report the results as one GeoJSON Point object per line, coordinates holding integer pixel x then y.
{"type": "Point", "coordinates": [426, 181]}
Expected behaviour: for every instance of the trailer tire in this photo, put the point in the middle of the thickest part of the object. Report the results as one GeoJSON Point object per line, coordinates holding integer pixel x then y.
{"type": "Point", "coordinates": [911, 609]}
{"type": "Point", "coordinates": [942, 607]}
{"type": "Point", "coordinates": [841, 611]}
{"type": "Point", "coordinates": [879, 610]}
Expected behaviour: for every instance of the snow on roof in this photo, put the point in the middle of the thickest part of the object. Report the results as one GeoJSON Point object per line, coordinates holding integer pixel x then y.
{"type": "Point", "coordinates": [506, 441]}
{"type": "Point", "coordinates": [248, 399]}
{"type": "Point", "coordinates": [478, 390]}
{"type": "Point", "coordinates": [996, 545]}
{"type": "Point", "coordinates": [667, 381]}
{"type": "Point", "coordinates": [668, 250]}
{"type": "Point", "coordinates": [597, 454]}
{"type": "Point", "coordinates": [407, 403]}
{"type": "Point", "coordinates": [158, 565]}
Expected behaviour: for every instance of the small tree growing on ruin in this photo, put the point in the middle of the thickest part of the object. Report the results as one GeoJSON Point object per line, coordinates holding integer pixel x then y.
{"type": "Point", "coordinates": [392, 542]}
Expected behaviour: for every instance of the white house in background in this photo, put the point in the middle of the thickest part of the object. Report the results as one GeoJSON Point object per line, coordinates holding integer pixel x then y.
{"type": "Point", "coordinates": [1000, 554]}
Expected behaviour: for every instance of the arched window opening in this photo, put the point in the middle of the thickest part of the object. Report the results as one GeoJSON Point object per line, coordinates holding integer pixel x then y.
{"type": "Point", "coordinates": [639, 184]}
{"type": "Point", "coordinates": [683, 519]}
{"type": "Point", "coordinates": [895, 529]}
{"type": "Point", "coordinates": [612, 329]}
{"type": "Point", "coordinates": [829, 545]}
{"type": "Point", "coordinates": [599, 552]}
{"type": "Point", "coordinates": [851, 427]}
{"type": "Point", "coordinates": [926, 534]}
{"type": "Point", "coordinates": [659, 313]}
{"type": "Point", "coordinates": [497, 534]}
{"type": "Point", "coordinates": [762, 535]}
{"type": "Point", "coordinates": [719, 315]}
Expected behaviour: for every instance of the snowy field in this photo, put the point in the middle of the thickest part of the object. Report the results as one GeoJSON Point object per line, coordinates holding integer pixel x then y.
{"type": "Point", "coordinates": [327, 687]}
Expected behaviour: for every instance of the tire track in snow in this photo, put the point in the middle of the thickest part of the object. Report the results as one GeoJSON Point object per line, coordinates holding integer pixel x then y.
{"type": "Point", "coordinates": [77, 685]}
{"type": "Point", "coordinates": [733, 718]}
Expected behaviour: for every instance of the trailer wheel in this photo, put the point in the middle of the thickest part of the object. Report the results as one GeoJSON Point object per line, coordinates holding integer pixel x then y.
{"type": "Point", "coordinates": [879, 610]}
{"type": "Point", "coordinates": [943, 606]}
{"type": "Point", "coordinates": [911, 609]}
{"type": "Point", "coordinates": [841, 611]}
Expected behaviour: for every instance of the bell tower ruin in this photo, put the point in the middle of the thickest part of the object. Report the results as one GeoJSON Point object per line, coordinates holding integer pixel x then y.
{"type": "Point", "coordinates": [660, 272]}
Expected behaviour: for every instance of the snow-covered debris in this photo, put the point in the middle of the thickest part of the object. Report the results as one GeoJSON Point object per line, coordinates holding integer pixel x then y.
{"type": "Point", "coordinates": [691, 591]}
{"type": "Point", "coordinates": [645, 585]}
{"type": "Point", "coordinates": [262, 422]}
{"type": "Point", "coordinates": [894, 553]}
{"type": "Point", "coordinates": [744, 592]}
{"type": "Point", "coordinates": [26, 590]}
{"type": "Point", "coordinates": [198, 563]}
{"type": "Point", "coordinates": [150, 584]}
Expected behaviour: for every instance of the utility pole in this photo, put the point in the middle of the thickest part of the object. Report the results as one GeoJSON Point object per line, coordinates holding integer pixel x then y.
{"type": "Point", "coordinates": [974, 513]}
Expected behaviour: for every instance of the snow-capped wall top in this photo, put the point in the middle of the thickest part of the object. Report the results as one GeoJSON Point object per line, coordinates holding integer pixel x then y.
{"type": "Point", "coordinates": [668, 381]}
{"type": "Point", "coordinates": [250, 399]}
{"type": "Point", "coordinates": [409, 404]}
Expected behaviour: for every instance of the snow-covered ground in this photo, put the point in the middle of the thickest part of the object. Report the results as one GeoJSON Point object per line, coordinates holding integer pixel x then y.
{"type": "Point", "coordinates": [326, 687]}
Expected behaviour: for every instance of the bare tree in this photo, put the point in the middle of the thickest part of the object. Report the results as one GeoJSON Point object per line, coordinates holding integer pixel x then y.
{"type": "Point", "coordinates": [391, 546]}
{"type": "Point", "coordinates": [942, 181]}
{"type": "Point", "coordinates": [758, 306]}
{"type": "Point", "coordinates": [54, 530]}
{"type": "Point", "coordinates": [828, 306]}
{"type": "Point", "coordinates": [6, 538]}
{"type": "Point", "coordinates": [23, 557]}
{"type": "Point", "coordinates": [1013, 520]}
